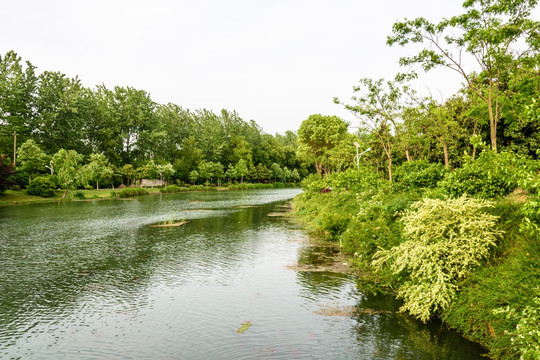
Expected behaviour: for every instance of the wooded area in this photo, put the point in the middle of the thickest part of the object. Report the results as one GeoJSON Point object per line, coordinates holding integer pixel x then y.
{"type": "Point", "coordinates": [105, 137]}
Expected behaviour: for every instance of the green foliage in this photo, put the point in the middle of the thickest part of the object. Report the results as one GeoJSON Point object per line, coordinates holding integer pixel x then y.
{"type": "Point", "coordinates": [327, 213]}
{"type": "Point", "coordinates": [41, 186]}
{"type": "Point", "coordinates": [318, 135]}
{"type": "Point", "coordinates": [246, 186]}
{"type": "Point", "coordinates": [355, 180]}
{"type": "Point", "coordinates": [510, 280]}
{"type": "Point", "coordinates": [487, 177]}
{"type": "Point", "coordinates": [500, 35]}
{"type": "Point", "coordinates": [526, 335]}
{"type": "Point", "coordinates": [31, 158]}
{"type": "Point", "coordinates": [419, 174]}
{"type": "Point", "coordinates": [129, 192]}
{"type": "Point", "coordinates": [18, 85]}
{"type": "Point", "coordinates": [172, 189]}
{"type": "Point", "coordinates": [376, 104]}
{"type": "Point", "coordinates": [66, 166]}
{"type": "Point", "coordinates": [376, 225]}
{"type": "Point", "coordinates": [79, 195]}
{"type": "Point", "coordinates": [241, 169]}
{"type": "Point", "coordinates": [445, 240]}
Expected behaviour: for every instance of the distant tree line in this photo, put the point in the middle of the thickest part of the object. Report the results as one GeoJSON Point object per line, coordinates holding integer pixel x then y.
{"type": "Point", "coordinates": [113, 136]}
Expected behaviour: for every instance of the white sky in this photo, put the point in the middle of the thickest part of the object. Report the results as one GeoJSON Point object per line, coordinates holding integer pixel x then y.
{"type": "Point", "coordinates": [273, 61]}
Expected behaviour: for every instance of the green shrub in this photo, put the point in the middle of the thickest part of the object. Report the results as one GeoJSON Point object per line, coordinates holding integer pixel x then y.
{"type": "Point", "coordinates": [356, 180]}
{"type": "Point", "coordinates": [129, 192]}
{"type": "Point", "coordinates": [526, 334]}
{"type": "Point", "coordinates": [510, 280]}
{"type": "Point", "coordinates": [327, 213]}
{"type": "Point", "coordinates": [172, 189]}
{"type": "Point", "coordinates": [445, 240]}
{"type": "Point", "coordinates": [490, 176]}
{"type": "Point", "coordinates": [313, 184]}
{"type": "Point", "coordinates": [41, 186]}
{"type": "Point", "coordinates": [376, 225]}
{"type": "Point", "coordinates": [419, 174]}
{"type": "Point", "coordinates": [79, 195]}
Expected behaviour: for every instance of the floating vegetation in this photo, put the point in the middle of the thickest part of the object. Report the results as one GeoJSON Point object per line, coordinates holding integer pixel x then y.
{"type": "Point", "coordinates": [246, 325]}
{"type": "Point", "coordinates": [170, 223]}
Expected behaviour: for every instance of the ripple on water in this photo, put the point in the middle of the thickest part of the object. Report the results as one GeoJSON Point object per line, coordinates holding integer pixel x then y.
{"type": "Point", "coordinates": [92, 280]}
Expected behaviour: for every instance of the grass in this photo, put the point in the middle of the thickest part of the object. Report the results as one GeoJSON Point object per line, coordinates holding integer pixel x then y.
{"type": "Point", "coordinates": [11, 197]}
{"type": "Point", "coordinates": [510, 277]}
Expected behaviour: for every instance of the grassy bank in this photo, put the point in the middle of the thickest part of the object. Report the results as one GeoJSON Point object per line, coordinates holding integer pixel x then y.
{"type": "Point", "coordinates": [494, 300]}
{"type": "Point", "coordinates": [11, 197]}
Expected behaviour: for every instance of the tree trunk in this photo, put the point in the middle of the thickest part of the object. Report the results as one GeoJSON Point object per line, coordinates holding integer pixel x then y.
{"type": "Point", "coordinates": [492, 121]}
{"type": "Point", "coordinates": [390, 168]}
{"type": "Point", "coordinates": [318, 166]}
{"type": "Point", "coordinates": [407, 155]}
{"type": "Point", "coordinates": [445, 150]}
{"type": "Point", "coordinates": [97, 184]}
{"type": "Point", "coordinates": [65, 193]}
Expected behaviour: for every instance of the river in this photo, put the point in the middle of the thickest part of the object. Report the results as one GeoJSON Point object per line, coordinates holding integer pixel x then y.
{"type": "Point", "coordinates": [93, 280]}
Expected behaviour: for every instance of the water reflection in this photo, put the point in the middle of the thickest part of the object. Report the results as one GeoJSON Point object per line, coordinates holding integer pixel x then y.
{"type": "Point", "coordinates": [93, 280]}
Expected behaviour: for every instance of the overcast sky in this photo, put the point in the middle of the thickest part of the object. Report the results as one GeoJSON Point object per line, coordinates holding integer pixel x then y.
{"type": "Point", "coordinates": [273, 61]}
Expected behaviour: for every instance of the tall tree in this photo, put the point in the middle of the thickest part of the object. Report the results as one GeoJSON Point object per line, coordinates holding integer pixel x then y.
{"type": "Point", "coordinates": [241, 169]}
{"type": "Point", "coordinates": [61, 113]}
{"type": "Point", "coordinates": [18, 85]}
{"type": "Point", "coordinates": [32, 159]}
{"type": "Point", "coordinates": [491, 31]}
{"type": "Point", "coordinates": [124, 125]}
{"type": "Point", "coordinates": [175, 125]}
{"type": "Point", "coordinates": [67, 164]}
{"type": "Point", "coordinates": [317, 135]}
{"type": "Point", "coordinates": [378, 108]}
{"type": "Point", "coordinates": [98, 169]}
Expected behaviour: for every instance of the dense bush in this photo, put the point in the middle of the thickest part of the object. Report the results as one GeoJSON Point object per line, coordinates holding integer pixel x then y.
{"type": "Point", "coordinates": [419, 174]}
{"type": "Point", "coordinates": [20, 178]}
{"type": "Point", "coordinates": [356, 180]}
{"type": "Point", "coordinates": [313, 184]}
{"type": "Point", "coordinates": [526, 334]}
{"type": "Point", "coordinates": [376, 226]}
{"type": "Point", "coordinates": [327, 213]}
{"type": "Point", "coordinates": [445, 240]}
{"type": "Point", "coordinates": [79, 195]}
{"type": "Point", "coordinates": [129, 192]}
{"type": "Point", "coordinates": [41, 186]}
{"type": "Point", "coordinates": [490, 176]}
{"type": "Point", "coordinates": [172, 189]}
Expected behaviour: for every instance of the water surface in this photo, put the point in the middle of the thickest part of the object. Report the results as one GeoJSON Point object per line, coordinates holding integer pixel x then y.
{"type": "Point", "coordinates": [92, 280]}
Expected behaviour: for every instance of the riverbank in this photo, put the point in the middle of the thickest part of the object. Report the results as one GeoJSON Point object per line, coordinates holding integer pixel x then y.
{"type": "Point", "coordinates": [12, 197]}
{"type": "Point", "coordinates": [494, 303]}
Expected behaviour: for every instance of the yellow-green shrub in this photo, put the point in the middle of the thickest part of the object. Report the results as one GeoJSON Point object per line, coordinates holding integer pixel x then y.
{"type": "Point", "coordinates": [445, 239]}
